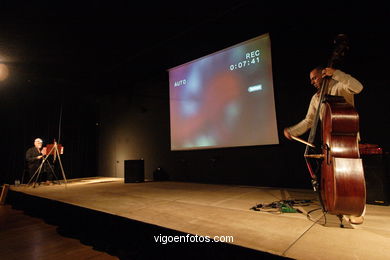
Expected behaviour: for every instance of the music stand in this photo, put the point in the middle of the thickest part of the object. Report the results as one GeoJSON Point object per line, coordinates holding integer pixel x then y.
{"type": "Point", "coordinates": [50, 149]}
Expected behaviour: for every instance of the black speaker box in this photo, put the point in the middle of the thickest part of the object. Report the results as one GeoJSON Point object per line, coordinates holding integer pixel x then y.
{"type": "Point", "coordinates": [376, 173]}
{"type": "Point", "coordinates": [134, 171]}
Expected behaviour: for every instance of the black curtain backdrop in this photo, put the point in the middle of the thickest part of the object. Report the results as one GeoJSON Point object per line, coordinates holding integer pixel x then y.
{"type": "Point", "coordinates": [46, 109]}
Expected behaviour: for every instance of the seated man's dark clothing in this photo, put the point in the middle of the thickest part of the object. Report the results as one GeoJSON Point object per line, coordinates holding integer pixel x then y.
{"type": "Point", "coordinates": [32, 160]}
{"type": "Point", "coordinates": [33, 163]}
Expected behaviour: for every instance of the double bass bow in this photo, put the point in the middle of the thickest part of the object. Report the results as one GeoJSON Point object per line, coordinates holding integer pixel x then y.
{"type": "Point", "coordinates": [341, 185]}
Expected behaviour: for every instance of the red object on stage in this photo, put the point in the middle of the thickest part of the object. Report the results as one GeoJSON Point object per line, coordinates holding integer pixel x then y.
{"type": "Point", "coordinates": [49, 149]}
{"type": "Point", "coordinates": [370, 149]}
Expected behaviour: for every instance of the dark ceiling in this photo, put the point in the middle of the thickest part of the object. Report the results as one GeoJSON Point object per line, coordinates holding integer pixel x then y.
{"type": "Point", "coordinates": [80, 43]}
{"type": "Point", "coordinates": [87, 38]}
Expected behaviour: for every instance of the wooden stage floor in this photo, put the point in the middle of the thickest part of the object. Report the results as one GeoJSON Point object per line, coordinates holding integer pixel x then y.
{"type": "Point", "coordinates": [224, 210]}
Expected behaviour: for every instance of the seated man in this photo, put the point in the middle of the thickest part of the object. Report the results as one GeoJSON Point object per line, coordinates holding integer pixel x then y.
{"type": "Point", "coordinates": [34, 157]}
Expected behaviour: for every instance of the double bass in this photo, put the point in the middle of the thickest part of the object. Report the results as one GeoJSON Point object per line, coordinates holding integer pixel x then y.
{"type": "Point", "coordinates": [341, 185]}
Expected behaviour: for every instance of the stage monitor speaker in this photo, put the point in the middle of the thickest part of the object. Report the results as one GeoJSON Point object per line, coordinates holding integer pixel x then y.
{"type": "Point", "coordinates": [134, 171]}
{"type": "Point", "coordinates": [376, 173]}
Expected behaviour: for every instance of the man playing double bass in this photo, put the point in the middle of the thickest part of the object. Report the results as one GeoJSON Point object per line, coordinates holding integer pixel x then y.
{"type": "Point", "coordinates": [340, 84]}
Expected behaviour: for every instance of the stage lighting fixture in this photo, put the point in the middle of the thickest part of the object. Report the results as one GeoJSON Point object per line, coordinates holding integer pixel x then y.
{"type": "Point", "coordinates": [3, 72]}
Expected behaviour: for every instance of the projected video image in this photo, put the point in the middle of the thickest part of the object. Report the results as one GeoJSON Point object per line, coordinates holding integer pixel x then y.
{"type": "Point", "coordinates": [225, 99]}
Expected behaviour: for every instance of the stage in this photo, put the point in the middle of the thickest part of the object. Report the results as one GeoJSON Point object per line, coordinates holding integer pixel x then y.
{"type": "Point", "coordinates": [225, 211]}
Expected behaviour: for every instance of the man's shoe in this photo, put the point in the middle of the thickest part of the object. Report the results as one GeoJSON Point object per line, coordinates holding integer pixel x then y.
{"type": "Point", "coordinates": [356, 220]}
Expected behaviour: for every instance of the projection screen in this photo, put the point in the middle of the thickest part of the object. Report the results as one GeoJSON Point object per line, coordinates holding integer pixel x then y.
{"type": "Point", "coordinates": [225, 99]}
